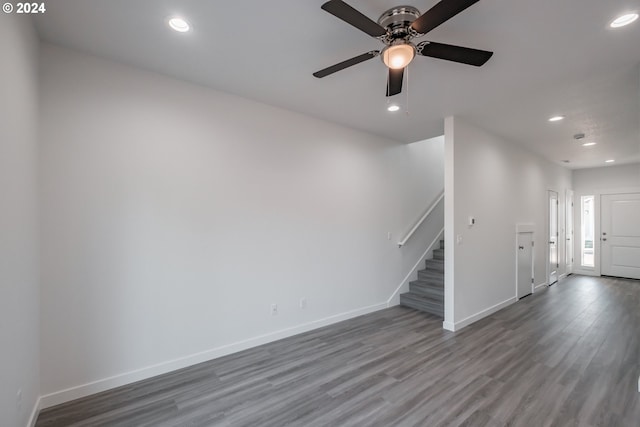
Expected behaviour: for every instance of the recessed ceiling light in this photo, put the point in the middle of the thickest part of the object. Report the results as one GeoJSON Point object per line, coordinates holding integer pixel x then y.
{"type": "Point", "coordinates": [588, 144]}
{"type": "Point", "coordinates": [178, 24]}
{"type": "Point", "coordinates": [556, 118]}
{"type": "Point", "coordinates": [623, 20]}
{"type": "Point", "coordinates": [609, 161]}
{"type": "Point", "coordinates": [393, 108]}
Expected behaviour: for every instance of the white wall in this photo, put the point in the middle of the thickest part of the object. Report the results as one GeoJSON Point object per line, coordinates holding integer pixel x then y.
{"type": "Point", "coordinates": [19, 294]}
{"type": "Point", "coordinates": [606, 178]}
{"type": "Point", "coordinates": [174, 215]}
{"type": "Point", "coordinates": [500, 184]}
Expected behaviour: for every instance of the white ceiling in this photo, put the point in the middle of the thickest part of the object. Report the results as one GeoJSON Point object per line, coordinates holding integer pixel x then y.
{"type": "Point", "coordinates": [551, 57]}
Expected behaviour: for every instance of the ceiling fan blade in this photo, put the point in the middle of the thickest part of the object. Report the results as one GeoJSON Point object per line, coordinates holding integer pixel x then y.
{"type": "Point", "coordinates": [440, 13]}
{"type": "Point", "coordinates": [464, 55]}
{"type": "Point", "coordinates": [346, 64]}
{"type": "Point", "coordinates": [394, 85]}
{"type": "Point", "coordinates": [341, 10]}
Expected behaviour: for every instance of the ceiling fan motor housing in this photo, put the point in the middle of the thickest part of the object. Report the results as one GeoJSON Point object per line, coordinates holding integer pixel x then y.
{"type": "Point", "coordinates": [397, 21]}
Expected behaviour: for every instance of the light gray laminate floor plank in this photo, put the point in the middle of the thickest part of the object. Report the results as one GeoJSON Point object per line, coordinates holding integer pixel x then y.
{"type": "Point", "coordinates": [567, 356]}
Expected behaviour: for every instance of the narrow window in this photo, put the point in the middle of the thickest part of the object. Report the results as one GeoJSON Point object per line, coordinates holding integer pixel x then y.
{"type": "Point", "coordinates": [587, 231]}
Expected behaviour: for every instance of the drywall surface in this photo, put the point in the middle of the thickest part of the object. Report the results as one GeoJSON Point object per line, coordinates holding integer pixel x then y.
{"type": "Point", "coordinates": [19, 292]}
{"type": "Point", "coordinates": [174, 216]}
{"type": "Point", "coordinates": [607, 178]}
{"type": "Point", "coordinates": [500, 185]}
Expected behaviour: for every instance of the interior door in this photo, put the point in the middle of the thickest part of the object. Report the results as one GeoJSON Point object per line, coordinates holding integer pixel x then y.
{"type": "Point", "coordinates": [620, 235]}
{"type": "Point", "coordinates": [569, 231]}
{"type": "Point", "coordinates": [525, 264]}
{"type": "Point", "coordinates": [553, 238]}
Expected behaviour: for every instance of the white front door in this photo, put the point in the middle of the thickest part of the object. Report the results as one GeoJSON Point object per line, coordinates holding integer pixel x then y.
{"type": "Point", "coordinates": [525, 264]}
{"type": "Point", "coordinates": [569, 231]}
{"type": "Point", "coordinates": [553, 238]}
{"type": "Point", "coordinates": [620, 235]}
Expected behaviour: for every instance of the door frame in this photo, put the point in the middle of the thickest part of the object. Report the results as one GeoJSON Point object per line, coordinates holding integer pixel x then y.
{"type": "Point", "coordinates": [526, 228]}
{"type": "Point", "coordinates": [548, 233]}
{"type": "Point", "coordinates": [577, 241]}
{"type": "Point", "coordinates": [577, 224]}
{"type": "Point", "coordinates": [569, 232]}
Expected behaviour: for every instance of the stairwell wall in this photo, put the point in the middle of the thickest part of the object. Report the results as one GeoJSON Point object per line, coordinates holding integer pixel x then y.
{"type": "Point", "coordinates": [175, 215]}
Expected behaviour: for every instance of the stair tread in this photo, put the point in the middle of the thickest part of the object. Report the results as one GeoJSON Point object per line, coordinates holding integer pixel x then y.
{"type": "Point", "coordinates": [421, 303]}
{"type": "Point", "coordinates": [428, 287]}
{"type": "Point", "coordinates": [435, 274]}
{"type": "Point", "coordinates": [428, 284]}
{"type": "Point", "coordinates": [435, 265]}
{"type": "Point", "coordinates": [421, 297]}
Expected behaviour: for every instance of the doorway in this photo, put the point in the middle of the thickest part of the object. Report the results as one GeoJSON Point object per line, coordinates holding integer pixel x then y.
{"type": "Point", "coordinates": [620, 235]}
{"type": "Point", "coordinates": [553, 261]}
{"type": "Point", "coordinates": [569, 231]}
{"type": "Point", "coordinates": [525, 264]}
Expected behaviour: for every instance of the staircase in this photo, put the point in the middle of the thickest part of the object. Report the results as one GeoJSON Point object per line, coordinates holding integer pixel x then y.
{"type": "Point", "coordinates": [427, 293]}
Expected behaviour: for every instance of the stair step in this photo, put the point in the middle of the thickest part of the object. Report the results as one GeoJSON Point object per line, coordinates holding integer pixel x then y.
{"type": "Point", "coordinates": [422, 303]}
{"type": "Point", "coordinates": [435, 264]}
{"type": "Point", "coordinates": [427, 289]}
{"type": "Point", "coordinates": [434, 276]}
{"type": "Point", "coordinates": [438, 254]}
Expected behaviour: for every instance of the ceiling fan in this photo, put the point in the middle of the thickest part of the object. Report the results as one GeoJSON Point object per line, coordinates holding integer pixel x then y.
{"type": "Point", "coordinates": [396, 28]}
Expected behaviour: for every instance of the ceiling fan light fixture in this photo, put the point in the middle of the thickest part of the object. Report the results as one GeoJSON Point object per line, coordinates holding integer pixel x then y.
{"type": "Point", "coordinates": [393, 107]}
{"type": "Point", "coordinates": [398, 56]}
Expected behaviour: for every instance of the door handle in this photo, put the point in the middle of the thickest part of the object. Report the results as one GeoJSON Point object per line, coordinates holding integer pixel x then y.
{"type": "Point", "coordinates": [521, 248]}
{"type": "Point", "coordinates": [604, 239]}
{"type": "Point", "coordinates": [551, 243]}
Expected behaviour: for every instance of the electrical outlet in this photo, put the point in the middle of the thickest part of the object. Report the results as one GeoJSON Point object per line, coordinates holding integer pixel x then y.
{"type": "Point", "coordinates": [274, 309]}
{"type": "Point", "coordinates": [303, 303]}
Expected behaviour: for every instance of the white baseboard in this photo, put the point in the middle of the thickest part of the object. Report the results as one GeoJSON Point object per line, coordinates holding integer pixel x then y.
{"type": "Point", "coordinates": [98, 386]}
{"type": "Point", "coordinates": [449, 326]}
{"type": "Point", "coordinates": [562, 276]}
{"type": "Point", "coordinates": [394, 299]}
{"type": "Point", "coordinates": [34, 414]}
{"type": "Point", "coordinates": [541, 287]}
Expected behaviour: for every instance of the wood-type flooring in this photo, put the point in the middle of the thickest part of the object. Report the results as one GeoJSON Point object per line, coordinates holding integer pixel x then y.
{"type": "Point", "coordinates": [568, 356]}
